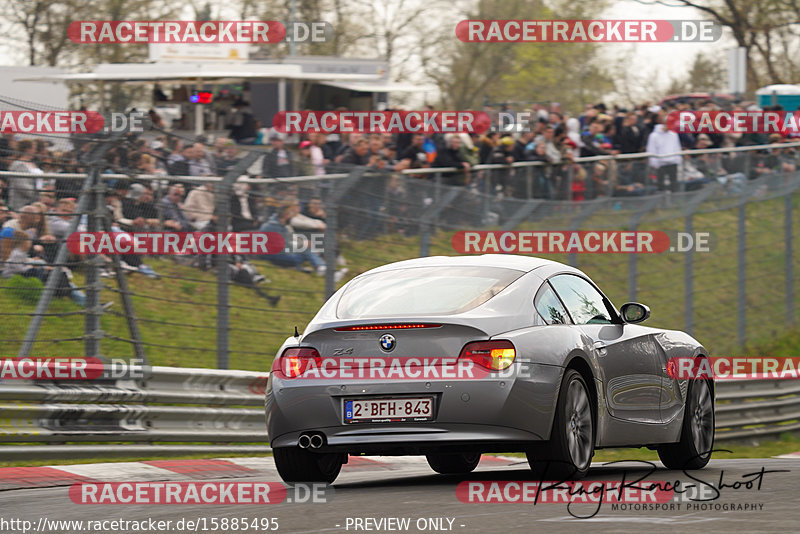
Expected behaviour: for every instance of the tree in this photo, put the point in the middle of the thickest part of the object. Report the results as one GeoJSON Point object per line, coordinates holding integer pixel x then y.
{"type": "Point", "coordinates": [526, 72]}
{"type": "Point", "coordinates": [706, 75]}
{"type": "Point", "coordinates": [769, 30]}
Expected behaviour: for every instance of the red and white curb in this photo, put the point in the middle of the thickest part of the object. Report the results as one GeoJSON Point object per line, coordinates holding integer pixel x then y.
{"type": "Point", "coordinates": [200, 469]}
{"type": "Point", "coordinates": [792, 455]}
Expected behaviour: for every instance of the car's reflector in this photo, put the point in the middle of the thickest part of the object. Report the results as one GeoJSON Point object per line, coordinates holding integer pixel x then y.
{"type": "Point", "coordinates": [494, 355]}
{"type": "Point", "coordinates": [295, 361]}
{"type": "Point", "coordinates": [386, 327]}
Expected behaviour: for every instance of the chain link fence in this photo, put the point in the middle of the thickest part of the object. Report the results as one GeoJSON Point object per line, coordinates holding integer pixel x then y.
{"type": "Point", "coordinates": [234, 311]}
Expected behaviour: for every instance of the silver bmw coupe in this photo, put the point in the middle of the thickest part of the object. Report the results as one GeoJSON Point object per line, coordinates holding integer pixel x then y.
{"type": "Point", "coordinates": [451, 357]}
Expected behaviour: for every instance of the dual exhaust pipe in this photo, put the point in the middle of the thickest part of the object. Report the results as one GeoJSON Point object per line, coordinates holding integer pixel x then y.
{"type": "Point", "coordinates": [310, 441]}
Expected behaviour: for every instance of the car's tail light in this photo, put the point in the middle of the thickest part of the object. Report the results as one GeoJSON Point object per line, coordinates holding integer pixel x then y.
{"type": "Point", "coordinates": [295, 361]}
{"type": "Point", "coordinates": [493, 355]}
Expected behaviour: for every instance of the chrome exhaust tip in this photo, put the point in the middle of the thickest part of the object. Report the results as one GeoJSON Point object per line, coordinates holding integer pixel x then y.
{"type": "Point", "coordinates": [317, 441]}
{"type": "Point", "coordinates": [304, 441]}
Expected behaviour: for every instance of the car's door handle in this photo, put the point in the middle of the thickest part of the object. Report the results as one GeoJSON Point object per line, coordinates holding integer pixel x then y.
{"type": "Point", "coordinates": [600, 347]}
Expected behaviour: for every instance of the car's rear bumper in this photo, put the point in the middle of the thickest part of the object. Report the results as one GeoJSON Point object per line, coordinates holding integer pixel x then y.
{"type": "Point", "coordinates": [493, 413]}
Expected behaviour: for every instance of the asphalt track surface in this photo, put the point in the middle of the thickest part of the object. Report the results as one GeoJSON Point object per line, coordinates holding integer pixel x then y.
{"type": "Point", "coordinates": [409, 489]}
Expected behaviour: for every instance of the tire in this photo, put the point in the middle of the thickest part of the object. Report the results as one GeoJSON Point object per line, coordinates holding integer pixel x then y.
{"type": "Point", "coordinates": [693, 451]}
{"type": "Point", "coordinates": [454, 464]}
{"type": "Point", "coordinates": [568, 453]}
{"type": "Point", "coordinates": [298, 465]}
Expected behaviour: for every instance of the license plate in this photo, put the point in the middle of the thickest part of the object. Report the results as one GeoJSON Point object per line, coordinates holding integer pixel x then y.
{"type": "Point", "coordinates": [388, 410]}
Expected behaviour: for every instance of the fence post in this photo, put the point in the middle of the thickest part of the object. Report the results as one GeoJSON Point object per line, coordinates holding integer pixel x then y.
{"type": "Point", "coordinates": [95, 157]}
{"type": "Point", "coordinates": [588, 208]}
{"type": "Point", "coordinates": [688, 264]}
{"type": "Point", "coordinates": [428, 216]}
{"type": "Point", "coordinates": [741, 267]}
{"type": "Point", "coordinates": [223, 209]}
{"type": "Point", "coordinates": [633, 265]}
{"type": "Point", "coordinates": [96, 214]}
{"type": "Point", "coordinates": [332, 226]}
{"type": "Point", "coordinates": [789, 257]}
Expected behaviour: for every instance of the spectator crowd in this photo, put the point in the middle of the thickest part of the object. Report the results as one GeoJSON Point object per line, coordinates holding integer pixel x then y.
{"type": "Point", "coordinates": [38, 205]}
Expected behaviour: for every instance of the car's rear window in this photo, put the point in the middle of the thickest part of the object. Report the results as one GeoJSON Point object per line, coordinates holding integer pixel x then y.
{"type": "Point", "coordinates": [423, 291]}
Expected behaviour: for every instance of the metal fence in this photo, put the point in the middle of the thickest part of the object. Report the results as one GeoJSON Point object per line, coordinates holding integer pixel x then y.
{"type": "Point", "coordinates": [200, 313]}
{"type": "Point", "coordinates": [218, 411]}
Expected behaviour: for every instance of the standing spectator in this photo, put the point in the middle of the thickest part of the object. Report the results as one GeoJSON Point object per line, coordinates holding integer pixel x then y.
{"type": "Point", "coordinates": [450, 156]}
{"type": "Point", "coordinates": [593, 140]}
{"type": "Point", "coordinates": [660, 142]}
{"type": "Point", "coordinates": [317, 154]}
{"type": "Point", "coordinates": [277, 162]}
{"type": "Point", "coordinates": [243, 124]}
{"type": "Point", "coordinates": [22, 190]}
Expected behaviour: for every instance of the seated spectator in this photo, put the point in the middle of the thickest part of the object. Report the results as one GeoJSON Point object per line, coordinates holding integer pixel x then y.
{"type": "Point", "coordinates": [138, 207]}
{"type": "Point", "coordinates": [174, 217]}
{"type": "Point", "coordinates": [178, 164]}
{"type": "Point", "coordinates": [16, 259]}
{"type": "Point", "coordinates": [200, 162]}
{"type": "Point", "coordinates": [199, 205]}
{"type": "Point", "coordinates": [315, 210]}
{"type": "Point", "coordinates": [244, 207]}
{"type": "Point", "coordinates": [279, 223]}
{"type": "Point", "coordinates": [61, 218]}
{"type": "Point", "coordinates": [226, 158]}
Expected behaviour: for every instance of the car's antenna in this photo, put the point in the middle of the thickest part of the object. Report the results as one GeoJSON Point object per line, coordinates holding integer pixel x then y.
{"type": "Point", "coordinates": [296, 333]}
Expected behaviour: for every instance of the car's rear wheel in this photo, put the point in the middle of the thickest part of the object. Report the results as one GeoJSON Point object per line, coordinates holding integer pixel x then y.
{"type": "Point", "coordinates": [693, 451]}
{"type": "Point", "coordinates": [452, 464]}
{"type": "Point", "coordinates": [568, 453]}
{"type": "Point", "coordinates": [298, 465]}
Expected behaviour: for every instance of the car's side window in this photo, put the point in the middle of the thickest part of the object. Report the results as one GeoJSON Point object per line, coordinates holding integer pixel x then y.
{"type": "Point", "coordinates": [549, 307]}
{"type": "Point", "coordinates": [584, 303]}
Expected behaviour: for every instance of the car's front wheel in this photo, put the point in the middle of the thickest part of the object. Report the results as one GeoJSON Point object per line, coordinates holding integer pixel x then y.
{"type": "Point", "coordinates": [568, 453]}
{"type": "Point", "coordinates": [453, 464]}
{"type": "Point", "coordinates": [693, 451]}
{"type": "Point", "coordinates": [298, 465]}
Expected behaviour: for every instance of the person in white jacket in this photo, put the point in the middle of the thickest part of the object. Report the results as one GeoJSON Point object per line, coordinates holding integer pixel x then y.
{"type": "Point", "coordinates": [661, 142]}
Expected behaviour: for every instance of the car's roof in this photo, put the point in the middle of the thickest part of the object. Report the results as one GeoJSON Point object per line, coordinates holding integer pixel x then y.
{"type": "Point", "coordinates": [508, 261]}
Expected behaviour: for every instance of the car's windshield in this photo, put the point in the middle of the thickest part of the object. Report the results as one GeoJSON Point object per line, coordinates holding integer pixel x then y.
{"type": "Point", "coordinates": [423, 291]}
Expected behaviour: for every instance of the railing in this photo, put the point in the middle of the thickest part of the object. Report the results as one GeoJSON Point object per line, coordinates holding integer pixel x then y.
{"type": "Point", "coordinates": [209, 408]}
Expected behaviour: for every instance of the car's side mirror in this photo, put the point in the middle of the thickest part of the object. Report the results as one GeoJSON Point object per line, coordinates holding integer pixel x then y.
{"type": "Point", "coordinates": [633, 312]}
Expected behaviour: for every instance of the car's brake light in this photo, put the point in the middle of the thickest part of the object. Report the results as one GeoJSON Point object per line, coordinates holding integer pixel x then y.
{"type": "Point", "coordinates": [493, 355]}
{"type": "Point", "coordinates": [398, 326]}
{"type": "Point", "coordinates": [295, 361]}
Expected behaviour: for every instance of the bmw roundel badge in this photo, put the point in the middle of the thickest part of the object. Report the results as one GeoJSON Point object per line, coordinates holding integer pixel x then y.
{"type": "Point", "coordinates": [387, 342]}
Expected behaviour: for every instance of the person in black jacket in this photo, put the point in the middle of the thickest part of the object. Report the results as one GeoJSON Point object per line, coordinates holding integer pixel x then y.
{"type": "Point", "coordinates": [450, 156]}
{"type": "Point", "coordinates": [278, 161]}
{"type": "Point", "coordinates": [243, 124]}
